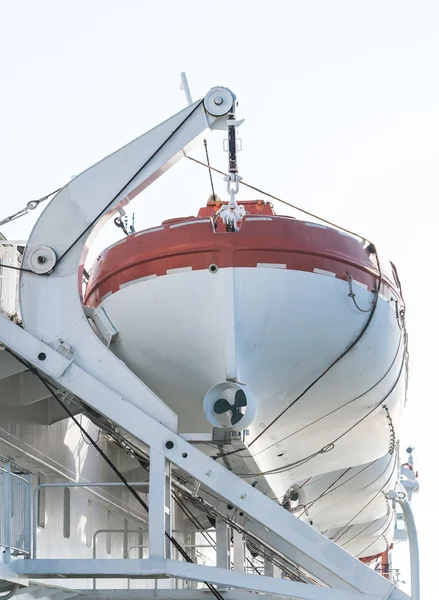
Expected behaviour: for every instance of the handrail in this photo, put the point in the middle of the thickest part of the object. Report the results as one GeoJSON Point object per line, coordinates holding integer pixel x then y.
{"type": "Point", "coordinates": [69, 484]}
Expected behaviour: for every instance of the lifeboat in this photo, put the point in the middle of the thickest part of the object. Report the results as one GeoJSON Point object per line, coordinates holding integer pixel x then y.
{"type": "Point", "coordinates": [286, 329]}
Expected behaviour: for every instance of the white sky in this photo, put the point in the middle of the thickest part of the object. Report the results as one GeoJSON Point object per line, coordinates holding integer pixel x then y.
{"type": "Point", "coordinates": [341, 101]}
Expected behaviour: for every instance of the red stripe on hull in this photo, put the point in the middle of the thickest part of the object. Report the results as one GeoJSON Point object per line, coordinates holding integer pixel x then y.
{"type": "Point", "coordinates": [298, 245]}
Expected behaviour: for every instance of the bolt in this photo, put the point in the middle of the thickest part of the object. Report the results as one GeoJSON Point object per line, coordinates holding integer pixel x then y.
{"type": "Point", "coordinates": [41, 259]}
{"type": "Point", "coordinates": [42, 356]}
{"type": "Point", "coordinates": [218, 100]}
{"type": "Point", "coordinates": [169, 445]}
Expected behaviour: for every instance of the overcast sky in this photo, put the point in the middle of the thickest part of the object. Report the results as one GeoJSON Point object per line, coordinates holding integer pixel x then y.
{"type": "Point", "coordinates": [341, 101]}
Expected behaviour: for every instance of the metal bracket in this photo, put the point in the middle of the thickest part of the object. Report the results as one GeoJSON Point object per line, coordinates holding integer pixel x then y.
{"type": "Point", "coordinates": [104, 326]}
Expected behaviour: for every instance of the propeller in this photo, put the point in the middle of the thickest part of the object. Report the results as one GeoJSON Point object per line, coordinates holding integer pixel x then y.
{"type": "Point", "coordinates": [222, 406]}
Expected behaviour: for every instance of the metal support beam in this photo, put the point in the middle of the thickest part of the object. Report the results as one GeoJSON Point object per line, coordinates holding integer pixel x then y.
{"type": "Point", "coordinates": [414, 548]}
{"type": "Point", "coordinates": [156, 567]}
{"type": "Point", "coordinates": [157, 503]}
{"type": "Point", "coordinates": [180, 594]}
{"type": "Point", "coordinates": [50, 302]}
{"type": "Point", "coordinates": [222, 544]}
{"type": "Point", "coordinates": [238, 552]}
{"type": "Point", "coordinates": [86, 368]}
{"type": "Point", "coordinates": [314, 552]}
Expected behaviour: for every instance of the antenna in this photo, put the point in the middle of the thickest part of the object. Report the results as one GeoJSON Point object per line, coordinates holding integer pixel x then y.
{"type": "Point", "coordinates": [185, 87]}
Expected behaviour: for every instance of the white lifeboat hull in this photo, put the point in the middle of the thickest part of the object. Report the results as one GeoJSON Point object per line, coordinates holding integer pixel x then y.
{"type": "Point", "coordinates": [275, 331]}
{"type": "Point", "coordinates": [288, 312]}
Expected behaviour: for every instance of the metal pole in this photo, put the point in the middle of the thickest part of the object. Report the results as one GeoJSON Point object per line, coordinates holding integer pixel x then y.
{"type": "Point", "coordinates": [157, 503]}
{"type": "Point", "coordinates": [28, 517]}
{"type": "Point", "coordinates": [414, 548]}
{"type": "Point", "coordinates": [7, 499]}
{"type": "Point", "coordinates": [98, 531]}
{"type": "Point", "coordinates": [185, 87]}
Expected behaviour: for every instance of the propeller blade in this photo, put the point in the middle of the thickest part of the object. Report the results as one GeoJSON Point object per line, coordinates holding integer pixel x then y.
{"type": "Point", "coordinates": [240, 399]}
{"type": "Point", "coordinates": [236, 417]}
{"type": "Point", "coordinates": [221, 406]}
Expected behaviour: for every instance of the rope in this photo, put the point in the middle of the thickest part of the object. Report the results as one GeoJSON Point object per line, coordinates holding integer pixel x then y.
{"type": "Point", "coordinates": [383, 535]}
{"type": "Point", "coordinates": [32, 205]}
{"type": "Point", "coordinates": [317, 379]}
{"type": "Point", "coordinates": [214, 196]}
{"type": "Point", "coordinates": [170, 537]}
{"type": "Point", "coordinates": [256, 189]}
{"type": "Point", "coordinates": [352, 294]}
{"type": "Point", "coordinates": [329, 446]}
{"type": "Point", "coordinates": [338, 536]}
{"type": "Point", "coordinates": [123, 188]}
{"type": "Point", "coordinates": [336, 409]}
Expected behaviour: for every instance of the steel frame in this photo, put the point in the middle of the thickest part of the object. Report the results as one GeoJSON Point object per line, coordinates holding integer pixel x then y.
{"type": "Point", "coordinates": [58, 341]}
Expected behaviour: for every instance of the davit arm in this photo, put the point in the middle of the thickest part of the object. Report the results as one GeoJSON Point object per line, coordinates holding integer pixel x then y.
{"type": "Point", "coordinates": [50, 303]}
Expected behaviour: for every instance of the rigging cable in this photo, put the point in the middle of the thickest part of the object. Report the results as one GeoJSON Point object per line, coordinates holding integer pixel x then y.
{"type": "Point", "coordinates": [335, 409]}
{"type": "Point", "coordinates": [386, 525]}
{"type": "Point", "coordinates": [334, 362]}
{"type": "Point", "coordinates": [214, 196]}
{"type": "Point", "coordinates": [339, 535]}
{"type": "Point", "coordinates": [329, 446]}
{"type": "Point", "coordinates": [252, 187]}
{"type": "Point", "coordinates": [327, 414]}
{"type": "Point", "coordinates": [110, 463]}
{"type": "Point", "coordinates": [331, 489]}
{"type": "Point", "coordinates": [123, 188]}
{"type": "Point", "coordinates": [383, 535]}
{"type": "Point", "coordinates": [103, 211]}
{"type": "Point", "coordinates": [326, 492]}
{"type": "Point", "coordinates": [32, 205]}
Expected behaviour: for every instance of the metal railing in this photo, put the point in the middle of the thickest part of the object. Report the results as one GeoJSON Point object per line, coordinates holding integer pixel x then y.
{"type": "Point", "coordinates": [15, 511]}
{"type": "Point", "coordinates": [123, 532]}
{"type": "Point", "coordinates": [68, 484]}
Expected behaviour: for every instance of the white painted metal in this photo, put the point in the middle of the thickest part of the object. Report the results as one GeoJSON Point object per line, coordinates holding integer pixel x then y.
{"type": "Point", "coordinates": [65, 484]}
{"type": "Point", "coordinates": [346, 492]}
{"type": "Point", "coordinates": [223, 544]}
{"type": "Point", "coordinates": [274, 331]}
{"type": "Point", "coordinates": [325, 556]}
{"type": "Point", "coordinates": [185, 87]}
{"type": "Point", "coordinates": [180, 594]}
{"type": "Point", "coordinates": [15, 516]}
{"type": "Point", "coordinates": [238, 552]}
{"type": "Point", "coordinates": [86, 203]}
{"type": "Point", "coordinates": [9, 275]}
{"type": "Point", "coordinates": [156, 567]}
{"type": "Point", "coordinates": [415, 580]}
{"type": "Point", "coordinates": [54, 320]}
{"type": "Point", "coordinates": [157, 504]}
